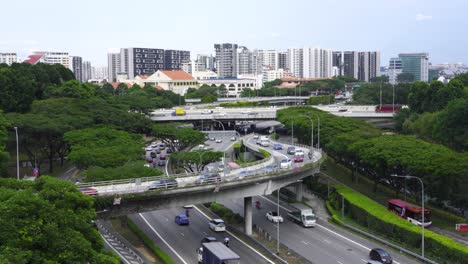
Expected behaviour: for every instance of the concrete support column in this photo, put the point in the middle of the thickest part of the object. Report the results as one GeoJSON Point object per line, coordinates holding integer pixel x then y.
{"type": "Point", "coordinates": [248, 215]}
{"type": "Point", "coordinates": [211, 127]}
{"type": "Point", "coordinates": [299, 191]}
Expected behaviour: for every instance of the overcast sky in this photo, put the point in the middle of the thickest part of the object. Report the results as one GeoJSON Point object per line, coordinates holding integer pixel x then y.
{"type": "Point", "coordinates": [91, 28]}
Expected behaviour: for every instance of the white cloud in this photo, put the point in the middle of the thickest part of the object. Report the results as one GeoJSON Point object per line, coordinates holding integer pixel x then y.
{"type": "Point", "coordinates": [422, 17]}
{"type": "Point", "coordinates": [30, 42]}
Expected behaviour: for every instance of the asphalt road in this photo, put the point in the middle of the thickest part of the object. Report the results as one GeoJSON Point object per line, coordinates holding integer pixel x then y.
{"type": "Point", "coordinates": [323, 244]}
{"type": "Point", "coordinates": [181, 242]}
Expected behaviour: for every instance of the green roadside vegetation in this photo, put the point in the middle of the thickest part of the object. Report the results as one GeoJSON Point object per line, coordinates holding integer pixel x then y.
{"type": "Point", "coordinates": [161, 255]}
{"type": "Point", "coordinates": [358, 145]}
{"type": "Point", "coordinates": [379, 220]}
{"type": "Point", "coordinates": [120, 225]}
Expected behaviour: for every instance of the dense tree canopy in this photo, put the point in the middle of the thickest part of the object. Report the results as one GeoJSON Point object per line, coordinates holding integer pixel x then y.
{"type": "Point", "coordinates": [369, 93]}
{"type": "Point", "coordinates": [195, 161]}
{"type": "Point", "coordinates": [48, 221]}
{"type": "Point", "coordinates": [3, 140]}
{"type": "Point", "coordinates": [357, 143]}
{"type": "Point", "coordinates": [103, 147]}
{"type": "Point", "coordinates": [131, 169]}
{"type": "Point", "coordinates": [178, 139]}
{"type": "Point", "coordinates": [405, 77]}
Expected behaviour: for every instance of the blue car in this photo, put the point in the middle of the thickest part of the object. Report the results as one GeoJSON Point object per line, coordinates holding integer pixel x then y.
{"type": "Point", "coordinates": [277, 147]}
{"type": "Point", "coordinates": [182, 220]}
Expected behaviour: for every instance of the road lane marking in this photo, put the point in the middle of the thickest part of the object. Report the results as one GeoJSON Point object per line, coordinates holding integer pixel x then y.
{"type": "Point", "coordinates": [364, 260]}
{"type": "Point", "coordinates": [163, 240]}
{"type": "Point", "coordinates": [326, 241]}
{"type": "Point", "coordinates": [339, 262]}
{"type": "Point", "coordinates": [115, 250]}
{"type": "Point", "coordinates": [327, 229]}
{"type": "Point", "coordinates": [305, 243]}
{"type": "Point", "coordinates": [182, 234]}
{"type": "Point", "coordinates": [240, 240]}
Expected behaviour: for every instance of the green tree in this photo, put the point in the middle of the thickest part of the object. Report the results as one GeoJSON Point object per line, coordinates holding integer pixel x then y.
{"type": "Point", "coordinates": [3, 140]}
{"type": "Point", "coordinates": [380, 79]}
{"type": "Point", "coordinates": [72, 89]}
{"type": "Point", "coordinates": [451, 125]}
{"type": "Point", "coordinates": [48, 221]}
{"type": "Point", "coordinates": [178, 139]}
{"type": "Point", "coordinates": [209, 99]}
{"type": "Point", "coordinates": [103, 147]}
{"type": "Point", "coordinates": [405, 77]}
{"type": "Point", "coordinates": [195, 161]}
{"type": "Point", "coordinates": [16, 91]}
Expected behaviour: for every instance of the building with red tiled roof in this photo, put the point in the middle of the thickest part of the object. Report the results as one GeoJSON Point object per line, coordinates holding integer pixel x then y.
{"type": "Point", "coordinates": [35, 58]}
{"type": "Point", "coordinates": [49, 57]}
{"type": "Point", "coordinates": [177, 81]}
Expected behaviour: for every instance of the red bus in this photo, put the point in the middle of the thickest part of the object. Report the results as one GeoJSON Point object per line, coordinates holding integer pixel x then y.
{"type": "Point", "coordinates": [410, 212]}
{"type": "Point", "coordinates": [387, 108]}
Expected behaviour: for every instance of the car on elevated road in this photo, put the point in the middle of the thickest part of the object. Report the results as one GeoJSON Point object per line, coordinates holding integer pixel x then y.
{"type": "Point", "coordinates": [277, 147]}
{"type": "Point", "coordinates": [217, 225]}
{"type": "Point", "coordinates": [298, 158]}
{"type": "Point", "coordinates": [163, 184]}
{"type": "Point", "coordinates": [208, 178]}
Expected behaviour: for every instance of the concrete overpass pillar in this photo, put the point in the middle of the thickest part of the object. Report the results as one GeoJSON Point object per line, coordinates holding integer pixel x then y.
{"type": "Point", "coordinates": [248, 215]}
{"type": "Point", "coordinates": [299, 191]}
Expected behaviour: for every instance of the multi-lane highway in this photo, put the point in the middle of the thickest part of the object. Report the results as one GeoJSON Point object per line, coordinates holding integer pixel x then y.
{"type": "Point", "coordinates": [181, 242]}
{"type": "Point", "coordinates": [323, 244]}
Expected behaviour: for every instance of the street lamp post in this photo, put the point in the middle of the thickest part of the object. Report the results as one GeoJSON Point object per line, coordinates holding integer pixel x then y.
{"type": "Point", "coordinates": [318, 136]}
{"type": "Point", "coordinates": [422, 202]}
{"type": "Point", "coordinates": [17, 154]}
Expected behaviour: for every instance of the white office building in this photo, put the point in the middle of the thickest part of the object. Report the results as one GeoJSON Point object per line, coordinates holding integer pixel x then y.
{"type": "Point", "coordinates": [50, 57]}
{"type": "Point", "coordinates": [113, 66]}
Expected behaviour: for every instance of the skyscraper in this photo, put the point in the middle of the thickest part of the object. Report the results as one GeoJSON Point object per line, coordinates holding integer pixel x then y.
{"type": "Point", "coordinates": [317, 63]}
{"type": "Point", "coordinates": [295, 61]}
{"type": "Point", "coordinates": [368, 65]}
{"type": "Point", "coordinates": [76, 66]}
{"type": "Point", "coordinates": [86, 71]}
{"type": "Point", "coordinates": [226, 59]}
{"type": "Point", "coordinates": [208, 61]}
{"type": "Point", "coordinates": [416, 64]}
{"type": "Point", "coordinates": [245, 61]}
{"type": "Point", "coordinates": [350, 64]}
{"type": "Point", "coordinates": [173, 59]}
{"type": "Point", "coordinates": [113, 66]}
{"type": "Point", "coordinates": [338, 61]}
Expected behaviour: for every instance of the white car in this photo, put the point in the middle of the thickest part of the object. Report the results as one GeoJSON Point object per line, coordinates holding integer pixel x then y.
{"type": "Point", "coordinates": [255, 136]}
{"type": "Point", "coordinates": [207, 111]}
{"type": "Point", "coordinates": [217, 225]}
{"type": "Point", "coordinates": [299, 152]}
{"type": "Point", "coordinates": [274, 217]}
{"type": "Point", "coordinates": [154, 145]}
{"type": "Point", "coordinates": [285, 164]}
{"type": "Point", "coordinates": [148, 148]}
{"type": "Point", "coordinates": [233, 139]}
{"type": "Point", "coordinates": [219, 140]}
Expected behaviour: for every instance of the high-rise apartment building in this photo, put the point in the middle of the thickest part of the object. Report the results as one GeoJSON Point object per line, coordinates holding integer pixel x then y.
{"type": "Point", "coordinates": [113, 66]}
{"type": "Point", "coordinates": [86, 71]}
{"type": "Point", "coordinates": [350, 64]}
{"type": "Point", "coordinates": [246, 63]}
{"type": "Point", "coordinates": [141, 61]}
{"type": "Point", "coordinates": [76, 66]}
{"type": "Point", "coordinates": [394, 68]}
{"type": "Point", "coordinates": [317, 63]}
{"type": "Point", "coordinates": [173, 59]}
{"type": "Point", "coordinates": [368, 65]}
{"type": "Point", "coordinates": [338, 61]}
{"type": "Point", "coordinates": [295, 62]}
{"type": "Point", "coordinates": [416, 64]}
{"type": "Point", "coordinates": [8, 58]}
{"type": "Point", "coordinates": [208, 62]}
{"type": "Point", "coordinates": [99, 73]}
{"type": "Point", "coordinates": [283, 60]}
{"type": "Point", "coordinates": [226, 59]}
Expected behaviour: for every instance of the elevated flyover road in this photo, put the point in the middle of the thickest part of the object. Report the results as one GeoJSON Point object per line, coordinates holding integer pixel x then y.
{"type": "Point", "coordinates": [191, 114]}
{"type": "Point", "coordinates": [322, 244]}
{"type": "Point", "coordinates": [181, 242]}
